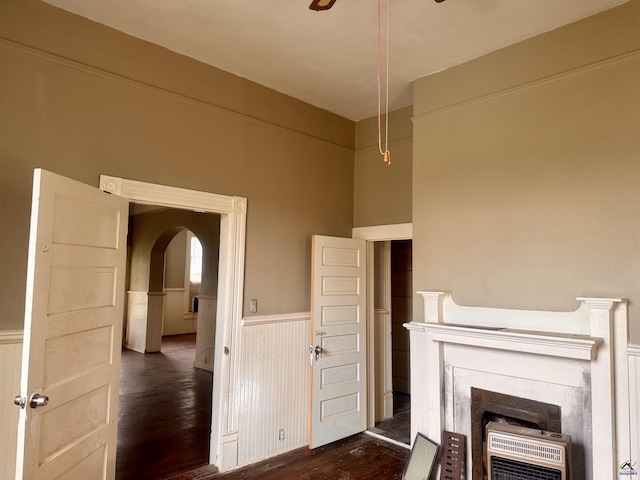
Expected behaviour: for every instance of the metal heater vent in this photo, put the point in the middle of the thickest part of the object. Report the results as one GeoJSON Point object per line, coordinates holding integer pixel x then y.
{"type": "Point", "coordinates": [524, 447]}
{"type": "Point", "coordinates": [519, 453]}
{"type": "Point", "coordinates": [506, 469]}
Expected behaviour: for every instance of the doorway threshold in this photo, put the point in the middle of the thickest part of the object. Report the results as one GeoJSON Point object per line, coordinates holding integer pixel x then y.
{"type": "Point", "coordinates": [373, 432]}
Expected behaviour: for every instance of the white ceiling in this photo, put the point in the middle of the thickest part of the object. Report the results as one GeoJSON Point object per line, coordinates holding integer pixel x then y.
{"type": "Point", "coordinates": [329, 58]}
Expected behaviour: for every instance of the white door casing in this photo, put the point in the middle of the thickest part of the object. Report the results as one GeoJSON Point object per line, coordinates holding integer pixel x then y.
{"type": "Point", "coordinates": [338, 339]}
{"type": "Point", "coordinates": [233, 214]}
{"type": "Point", "coordinates": [72, 333]}
{"type": "Point", "coordinates": [380, 349]}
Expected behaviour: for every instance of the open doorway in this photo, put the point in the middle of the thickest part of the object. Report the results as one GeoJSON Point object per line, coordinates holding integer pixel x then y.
{"type": "Point", "coordinates": [232, 210]}
{"type": "Point", "coordinates": [395, 422]}
{"type": "Point", "coordinates": [390, 305]}
{"type": "Point", "coordinates": [175, 370]}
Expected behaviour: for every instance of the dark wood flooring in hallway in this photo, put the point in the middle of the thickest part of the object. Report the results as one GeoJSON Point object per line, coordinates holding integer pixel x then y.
{"type": "Point", "coordinates": [165, 418]}
{"type": "Point", "coordinates": [399, 427]}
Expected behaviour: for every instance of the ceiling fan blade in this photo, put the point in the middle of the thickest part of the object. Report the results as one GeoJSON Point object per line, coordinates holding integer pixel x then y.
{"type": "Point", "coordinates": [319, 5]}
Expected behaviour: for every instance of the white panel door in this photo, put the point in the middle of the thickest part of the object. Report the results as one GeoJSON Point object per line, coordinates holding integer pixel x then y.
{"type": "Point", "coordinates": [338, 339]}
{"type": "Point", "coordinates": [72, 332]}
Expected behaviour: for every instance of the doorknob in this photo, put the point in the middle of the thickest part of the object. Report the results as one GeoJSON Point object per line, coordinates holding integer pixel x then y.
{"type": "Point", "coordinates": [35, 401]}
{"type": "Point", "coordinates": [38, 400]}
{"type": "Point", "coordinates": [317, 350]}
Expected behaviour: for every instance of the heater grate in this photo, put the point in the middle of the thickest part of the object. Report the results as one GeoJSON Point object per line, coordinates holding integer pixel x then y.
{"type": "Point", "coordinates": [507, 469]}
{"type": "Point", "coordinates": [452, 462]}
{"type": "Point", "coordinates": [532, 449]}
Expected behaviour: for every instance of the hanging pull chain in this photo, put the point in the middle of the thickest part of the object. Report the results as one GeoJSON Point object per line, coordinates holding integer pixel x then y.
{"type": "Point", "coordinates": [385, 153]}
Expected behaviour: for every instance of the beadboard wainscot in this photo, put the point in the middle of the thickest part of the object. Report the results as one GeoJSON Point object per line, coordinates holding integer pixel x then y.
{"type": "Point", "coordinates": [634, 402]}
{"type": "Point", "coordinates": [383, 371]}
{"type": "Point", "coordinates": [10, 368]}
{"type": "Point", "coordinates": [272, 403]}
{"type": "Point", "coordinates": [136, 321]}
{"type": "Point", "coordinates": [206, 328]}
{"type": "Point", "coordinates": [177, 320]}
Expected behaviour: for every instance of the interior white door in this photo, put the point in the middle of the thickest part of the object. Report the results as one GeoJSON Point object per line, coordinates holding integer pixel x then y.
{"type": "Point", "coordinates": [72, 332]}
{"type": "Point", "coordinates": [338, 339]}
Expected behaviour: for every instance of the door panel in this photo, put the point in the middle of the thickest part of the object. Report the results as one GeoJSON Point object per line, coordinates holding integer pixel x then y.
{"type": "Point", "coordinates": [338, 331]}
{"type": "Point", "coordinates": [73, 330]}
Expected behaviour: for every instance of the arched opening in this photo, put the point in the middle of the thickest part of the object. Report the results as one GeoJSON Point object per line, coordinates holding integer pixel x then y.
{"type": "Point", "coordinates": [151, 232]}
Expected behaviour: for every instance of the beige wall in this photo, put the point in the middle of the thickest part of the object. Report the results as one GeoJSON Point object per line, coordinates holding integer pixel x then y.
{"type": "Point", "coordinates": [82, 100]}
{"type": "Point", "coordinates": [175, 261]}
{"type": "Point", "coordinates": [526, 181]}
{"type": "Point", "coordinates": [382, 193]}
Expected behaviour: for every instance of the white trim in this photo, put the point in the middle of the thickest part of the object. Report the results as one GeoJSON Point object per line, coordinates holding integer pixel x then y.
{"type": "Point", "coordinates": [398, 231]}
{"type": "Point", "coordinates": [276, 318]}
{"type": "Point", "coordinates": [633, 350]}
{"type": "Point", "coordinates": [372, 387]}
{"type": "Point", "coordinates": [167, 196]}
{"type": "Point", "coordinates": [580, 347]}
{"type": "Point", "coordinates": [436, 303]}
{"type": "Point", "coordinates": [232, 210]}
{"type": "Point", "coordinates": [387, 439]}
{"type": "Point", "coordinates": [633, 360]}
{"type": "Point", "coordinates": [8, 337]}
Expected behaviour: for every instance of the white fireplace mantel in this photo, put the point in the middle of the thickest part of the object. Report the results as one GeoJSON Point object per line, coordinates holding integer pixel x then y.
{"type": "Point", "coordinates": [581, 347]}
{"type": "Point", "coordinates": [581, 353]}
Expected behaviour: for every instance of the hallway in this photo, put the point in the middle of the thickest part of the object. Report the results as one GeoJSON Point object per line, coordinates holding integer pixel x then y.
{"type": "Point", "coordinates": [399, 427]}
{"type": "Point", "coordinates": [165, 412]}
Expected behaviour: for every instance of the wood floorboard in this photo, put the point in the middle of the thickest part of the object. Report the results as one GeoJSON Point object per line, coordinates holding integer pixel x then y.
{"type": "Point", "coordinates": [399, 427]}
{"type": "Point", "coordinates": [164, 419]}
{"type": "Point", "coordinates": [360, 457]}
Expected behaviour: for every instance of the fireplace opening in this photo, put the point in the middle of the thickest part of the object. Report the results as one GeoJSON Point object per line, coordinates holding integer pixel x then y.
{"type": "Point", "coordinates": [487, 406]}
{"type": "Point", "coordinates": [488, 417]}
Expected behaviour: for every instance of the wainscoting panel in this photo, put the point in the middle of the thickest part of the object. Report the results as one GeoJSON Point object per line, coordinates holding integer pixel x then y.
{"type": "Point", "coordinates": [206, 326]}
{"type": "Point", "coordinates": [175, 322]}
{"type": "Point", "coordinates": [634, 402]}
{"type": "Point", "coordinates": [383, 367]}
{"type": "Point", "coordinates": [273, 386]}
{"type": "Point", "coordinates": [136, 327]}
{"type": "Point", "coordinates": [10, 368]}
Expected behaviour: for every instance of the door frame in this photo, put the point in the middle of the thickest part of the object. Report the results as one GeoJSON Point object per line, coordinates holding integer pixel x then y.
{"type": "Point", "coordinates": [379, 233]}
{"type": "Point", "coordinates": [232, 210]}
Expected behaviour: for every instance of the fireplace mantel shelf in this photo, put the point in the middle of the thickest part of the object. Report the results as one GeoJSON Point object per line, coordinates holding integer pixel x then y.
{"type": "Point", "coordinates": [580, 347]}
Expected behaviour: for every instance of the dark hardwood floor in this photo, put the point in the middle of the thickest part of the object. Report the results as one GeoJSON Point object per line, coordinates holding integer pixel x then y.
{"type": "Point", "coordinates": [360, 457]}
{"type": "Point", "coordinates": [165, 420]}
{"type": "Point", "coordinates": [399, 427]}
{"type": "Point", "coordinates": [165, 412]}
